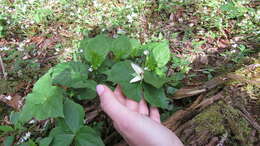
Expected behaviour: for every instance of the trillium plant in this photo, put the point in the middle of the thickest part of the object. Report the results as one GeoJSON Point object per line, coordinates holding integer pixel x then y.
{"type": "Point", "coordinates": [140, 70]}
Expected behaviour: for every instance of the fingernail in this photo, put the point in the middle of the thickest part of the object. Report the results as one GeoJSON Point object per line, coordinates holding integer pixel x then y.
{"type": "Point", "coordinates": [100, 89]}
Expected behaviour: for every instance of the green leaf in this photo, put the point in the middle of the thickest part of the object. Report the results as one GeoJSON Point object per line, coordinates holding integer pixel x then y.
{"type": "Point", "coordinates": [43, 89]}
{"type": "Point", "coordinates": [62, 140]}
{"type": "Point", "coordinates": [182, 64]}
{"type": "Point", "coordinates": [86, 93]}
{"type": "Point", "coordinates": [6, 128]}
{"type": "Point", "coordinates": [44, 102]}
{"type": "Point", "coordinates": [156, 97]}
{"type": "Point", "coordinates": [73, 115]}
{"type": "Point", "coordinates": [171, 90]}
{"type": "Point", "coordinates": [161, 53]}
{"type": "Point", "coordinates": [121, 73]}
{"type": "Point", "coordinates": [60, 130]}
{"type": "Point", "coordinates": [177, 77]}
{"type": "Point", "coordinates": [136, 48]}
{"type": "Point", "coordinates": [233, 10]}
{"type": "Point", "coordinates": [40, 15]}
{"type": "Point", "coordinates": [87, 136]}
{"type": "Point", "coordinates": [121, 47]}
{"type": "Point", "coordinates": [96, 49]}
{"type": "Point", "coordinates": [61, 125]}
{"type": "Point", "coordinates": [150, 62]}
{"type": "Point", "coordinates": [70, 74]}
{"type": "Point", "coordinates": [15, 120]}
{"type": "Point", "coordinates": [132, 90]}
{"type": "Point", "coordinates": [153, 79]}
{"type": "Point", "coordinates": [61, 136]}
{"type": "Point", "coordinates": [161, 72]}
{"type": "Point", "coordinates": [9, 141]}
{"type": "Point", "coordinates": [91, 84]}
{"type": "Point", "coordinates": [3, 26]}
{"type": "Point", "coordinates": [45, 141]}
{"type": "Point", "coordinates": [28, 143]}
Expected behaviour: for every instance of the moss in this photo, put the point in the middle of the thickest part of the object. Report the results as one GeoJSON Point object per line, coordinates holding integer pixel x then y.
{"type": "Point", "coordinates": [220, 118]}
{"type": "Point", "coordinates": [237, 124]}
{"type": "Point", "coordinates": [210, 120]}
{"type": "Point", "coordinates": [7, 87]}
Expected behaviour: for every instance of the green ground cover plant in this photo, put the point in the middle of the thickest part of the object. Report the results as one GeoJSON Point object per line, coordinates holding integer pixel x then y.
{"type": "Point", "coordinates": [103, 60]}
{"type": "Point", "coordinates": [2, 26]}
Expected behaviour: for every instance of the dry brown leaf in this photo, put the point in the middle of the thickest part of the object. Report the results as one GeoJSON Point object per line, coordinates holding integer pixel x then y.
{"type": "Point", "coordinates": [223, 43]}
{"type": "Point", "coordinates": [15, 101]}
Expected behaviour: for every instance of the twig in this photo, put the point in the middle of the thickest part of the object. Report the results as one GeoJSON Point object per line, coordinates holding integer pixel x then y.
{"type": "Point", "coordinates": [3, 68]}
{"type": "Point", "coordinates": [244, 113]}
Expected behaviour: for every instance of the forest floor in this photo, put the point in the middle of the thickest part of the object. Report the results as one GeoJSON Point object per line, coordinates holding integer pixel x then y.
{"type": "Point", "coordinates": [215, 44]}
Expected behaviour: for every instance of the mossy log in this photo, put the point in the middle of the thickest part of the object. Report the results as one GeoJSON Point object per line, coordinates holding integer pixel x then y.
{"type": "Point", "coordinates": [228, 117]}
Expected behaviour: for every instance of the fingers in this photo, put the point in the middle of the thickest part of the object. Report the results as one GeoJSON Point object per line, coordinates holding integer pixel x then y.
{"type": "Point", "coordinates": [132, 105]}
{"type": "Point", "coordinates": [116, 106]}
{"type": "Point", "coordinates": [119, 95]}
{"type": "Point", "coordinates": [143, 109]}
{"type": "Point", "coordinates": [154, 114]}
{"type": "Point", "coordinates": [129, 103]}
{"type": "Point", "coordinates": [110, 104]}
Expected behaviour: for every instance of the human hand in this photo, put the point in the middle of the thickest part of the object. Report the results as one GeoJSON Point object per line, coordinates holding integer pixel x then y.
{"type": "Point", "coordinates": [138, 124]}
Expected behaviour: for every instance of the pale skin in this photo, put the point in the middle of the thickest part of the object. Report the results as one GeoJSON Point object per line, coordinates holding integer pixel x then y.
{"type": "Point", "coordinates": [138, 124]}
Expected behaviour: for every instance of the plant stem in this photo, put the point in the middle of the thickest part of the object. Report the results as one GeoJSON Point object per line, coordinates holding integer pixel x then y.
{"type": "Point", "coordinates": [3, 68]}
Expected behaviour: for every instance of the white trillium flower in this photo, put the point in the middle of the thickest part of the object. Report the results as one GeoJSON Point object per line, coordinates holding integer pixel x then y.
{"type": "Point", "coordinates": [4, 49]}
{"type": "Point", "coordinates": [130, 18]}
{"type": "Point", "coordinates": [32, 121]}
{"type": "Point", "coordinates": [90, 69]}
{"type": "Point", "coordinates": [25, 137]}
{"type": "Point", "coordinates": [20, 49]}
{"type": "Point", "coordinates": [235, 45]}
{"type": "Point", "coordinates": [146, 52]}
{"type": "Point", "coordinates": [139, 73]}
{"type": "Point", "coordinates": [8, 97]}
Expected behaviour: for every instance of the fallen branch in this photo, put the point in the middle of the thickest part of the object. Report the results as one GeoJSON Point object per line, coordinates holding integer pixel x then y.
{"type": "Point", "coordinates": [188, 92]}
{"type": "Point", "coordinates": [177, 118]}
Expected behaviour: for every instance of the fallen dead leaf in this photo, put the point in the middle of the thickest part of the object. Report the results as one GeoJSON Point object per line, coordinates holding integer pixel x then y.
{"type": "Point", "coordinates": [223, 43]}
{"type": "Point", "coordinates": [12, 101]}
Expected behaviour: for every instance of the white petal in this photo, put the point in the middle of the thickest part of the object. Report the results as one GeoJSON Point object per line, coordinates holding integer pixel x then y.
{"type": "Point", "coordinates": [136, 79]}
{"type": "Point", "coordinates": [146, 52]}
{"type": "Point", "coordinates": [8, 97]}
{"type": "Point", "coordinates": [137, 69]}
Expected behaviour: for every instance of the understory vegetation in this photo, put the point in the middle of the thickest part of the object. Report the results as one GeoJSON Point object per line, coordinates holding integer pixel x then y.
{"type": "Point", "coordinates": [55, 52]}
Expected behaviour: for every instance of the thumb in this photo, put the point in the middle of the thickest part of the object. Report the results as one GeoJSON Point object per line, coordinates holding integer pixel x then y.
{"type": "Point", "coordinates": [110, 104]}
